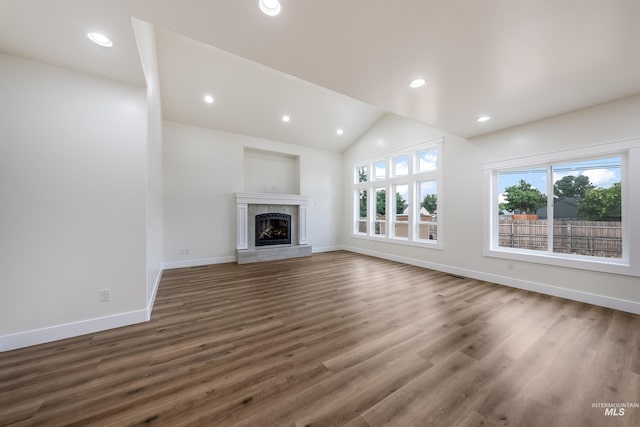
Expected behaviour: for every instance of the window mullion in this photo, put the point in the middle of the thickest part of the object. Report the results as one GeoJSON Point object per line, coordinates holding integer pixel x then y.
{"type": "Point", "coordinates": [585, 222]}
{"type": "Point", "coordinates": [372, 209]}
{"type": "Point", "coordinates": [402, 175]}
{"type": "Point", "coordinates": [411, 211]}
{"type": "Point", "coordinates": [356, 210]}
{"type": "Point", "coordinates": [494, 211]}
{"type": "Point", "coordinates": [550, 214]}
{"type": "Point", "coordinates": [389, 220]}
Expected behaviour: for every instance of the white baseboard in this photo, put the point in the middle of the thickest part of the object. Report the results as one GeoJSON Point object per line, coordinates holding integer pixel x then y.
{"type": "Point", "coordinates": [198, 262]}
{"type": "Point", "coordinates": [73, 329]}
{"type": "Point", "coordinates": [82, 327]}
{"type": "Point", "coordinates": [572, 294]}
{"type": "Point", "coordinates": [69, 330]}
{"type": "Point", "coordinates": [152, 298]}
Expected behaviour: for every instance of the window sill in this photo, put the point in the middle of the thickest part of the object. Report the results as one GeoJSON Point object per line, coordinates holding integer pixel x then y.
{"type": "Point", "coordinates": [400, 241]}
{"type": "Point", "coordinates": [604, 265]}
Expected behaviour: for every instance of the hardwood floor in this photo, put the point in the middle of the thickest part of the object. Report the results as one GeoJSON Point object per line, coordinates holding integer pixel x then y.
{"type": "Point", "coordinates": [335, 339]}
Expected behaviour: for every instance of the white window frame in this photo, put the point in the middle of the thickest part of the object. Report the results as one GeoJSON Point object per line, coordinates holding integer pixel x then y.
{"type": "Point", "coordinates": [373, 169]}
{"type": "Point", "coordinates": [356, 209]}
{"type": "Point", "coordinates": [629, 264]}
{"type": "Point", "coordinates": [416, 209]}
{"type": "Point", "coordinates": [372, 206]}
{"type": "Point", "coordinates": [393, 214]}
{"type": "Point", "coordinates": [393, 166]}
{"type": "Point", "coordinates": [389, 183]}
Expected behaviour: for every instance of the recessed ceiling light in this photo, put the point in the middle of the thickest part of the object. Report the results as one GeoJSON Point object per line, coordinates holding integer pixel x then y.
{"type": "Point", "coordinates": [417, 83]}
{"type": "Point", "coordinates": [100, 39]}
{"type": "Point", "coordinates": [269, 7]}
{"type": "Point", "coordinates": [483, 118]}
{"type": "Point", "coordinates": [286, 118]}
{"type": "Point", "coordinates": [208, 99]}
{"type": "Point", "coordinates": [339, 131]}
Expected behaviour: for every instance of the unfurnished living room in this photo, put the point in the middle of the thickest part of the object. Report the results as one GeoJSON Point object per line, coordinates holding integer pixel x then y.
{"type": "Point", "coordinates": [330, 212]}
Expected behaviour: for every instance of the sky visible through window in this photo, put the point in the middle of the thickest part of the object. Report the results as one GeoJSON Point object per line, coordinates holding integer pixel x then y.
{"type": "Point", "coordinates": [401, 165]}
{"type": "Point", "coordinates": [379, 170]}
{"type": "Point", "coordinates": [602, 173]}
{"type": "Point", "coordinates": [427, 162]}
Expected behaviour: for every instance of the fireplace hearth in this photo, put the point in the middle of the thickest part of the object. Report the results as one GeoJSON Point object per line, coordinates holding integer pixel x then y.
{"type": "Point", "coordinates": [273, 229]}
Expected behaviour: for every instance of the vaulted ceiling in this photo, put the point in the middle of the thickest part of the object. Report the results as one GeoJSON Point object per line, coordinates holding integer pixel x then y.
{"type": "Point", "coordinates": [333, 64]}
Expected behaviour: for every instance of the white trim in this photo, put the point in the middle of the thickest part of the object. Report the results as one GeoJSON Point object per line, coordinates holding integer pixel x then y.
{"type": "Point", "coordinates": [560, 155]}
{"type": "Point", "coordinates": [82, 327]}
{"type": "Point", "coordinates": [70, 330]}
{"type": "Point", "coordinates": [420, 146]}
{"type": "Point", "coordinates": [542, 288]}
{"type": "Point", "coordinates": [243, 200]}
{"type": "Point", "coordinates": [581, 262]}
{"type": "Point", "coordinates": [73, 329]}
{"type": "Point", "coordinates": [389, 184]}
{"type": "Point", "coordinates": [271, 199]}
{"type": "Point", "coordinates": [302, 224]}
{"type": "Point", "coordinates": [242, 210]}
{"type": "Point", "coordinates": [627, 150]}
{"type": "Point", "coordinates": [154, 292]}
{"type": "Point", "coordinates": [437, 244]}
{"type": "Point", "coordinates": [198, 262]}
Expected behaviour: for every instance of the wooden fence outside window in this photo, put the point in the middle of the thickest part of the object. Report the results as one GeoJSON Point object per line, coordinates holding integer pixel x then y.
{"type": "Point", "coordinates": [594, 238]}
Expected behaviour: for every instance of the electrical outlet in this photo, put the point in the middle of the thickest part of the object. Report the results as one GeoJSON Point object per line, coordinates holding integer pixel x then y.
{"type": "Point", "coordinates": [185, 251]}
{"type": "Point", "coordinates": [104, 295]}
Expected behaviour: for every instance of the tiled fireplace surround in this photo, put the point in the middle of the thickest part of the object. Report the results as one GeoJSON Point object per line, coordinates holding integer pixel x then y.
{"type": "Point", "coordinates": [248, 205]}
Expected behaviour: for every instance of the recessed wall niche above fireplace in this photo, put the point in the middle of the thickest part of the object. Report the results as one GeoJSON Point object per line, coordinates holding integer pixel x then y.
{"type": "Point", "coordinates": [270, 227]}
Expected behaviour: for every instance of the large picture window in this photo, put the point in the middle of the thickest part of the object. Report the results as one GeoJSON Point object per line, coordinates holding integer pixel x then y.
{"type": "Point", "coordinates": [400, 202]}
{"type": "Point", "coordinates": [565, 208]}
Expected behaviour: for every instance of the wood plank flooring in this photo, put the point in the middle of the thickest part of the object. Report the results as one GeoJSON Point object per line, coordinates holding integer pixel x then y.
{"type": "Point", "coordinates": [335, 339]}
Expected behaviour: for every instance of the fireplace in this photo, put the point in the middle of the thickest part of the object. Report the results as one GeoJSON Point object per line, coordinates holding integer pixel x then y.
{"type": "Point", "coordinates": [273, 229]}
{"type": "Point", "coordinates": [271, 226]}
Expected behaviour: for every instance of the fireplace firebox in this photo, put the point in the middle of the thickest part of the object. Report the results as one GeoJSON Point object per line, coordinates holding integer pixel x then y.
{"type": "Point", "coordinates": [273, 229]}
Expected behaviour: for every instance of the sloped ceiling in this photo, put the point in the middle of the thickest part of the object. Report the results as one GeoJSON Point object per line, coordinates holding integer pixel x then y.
{"type": "Point", "coordinates": [251, 99]}
{"type": "Point", "coordinates": [516, 61]}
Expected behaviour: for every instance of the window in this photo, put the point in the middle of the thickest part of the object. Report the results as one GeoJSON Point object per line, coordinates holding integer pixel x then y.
{"type": "Point", "coordinates": [427, 210]}
{"type": "Point", "coordinates": [362, 208]}
{"type": "Point", "coordinates": [427, 160]}
{"type": "Point", "coordinates": [403, 207]}
{"type": "Point", "coordinates": [518, 204]}
{"type": "Point", "coordinates": [380, 222]}
{"type": "Point", "coordinates": [401, 166]}
{"type": "Point", "coordinates": [587, 208]}
{"type": "Point", "coordinates": [361, 174]}
{"type": "Point", "coordinates": [380, 170]}
{"type": "Point", "coordinates": [568, 208]}
{"type": "Point", "coordinates": [401, 216]}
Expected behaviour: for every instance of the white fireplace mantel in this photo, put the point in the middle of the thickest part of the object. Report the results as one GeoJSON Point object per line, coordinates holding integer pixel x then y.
{"type": "Point", "coordinates": [243, 200]}
{"type": "Point", "coordinates": [271, 199]}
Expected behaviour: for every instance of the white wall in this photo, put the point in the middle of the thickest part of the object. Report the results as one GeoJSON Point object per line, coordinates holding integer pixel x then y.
{"type": "Point", "coordinates": [269, 172]}
{"type": "Point", "coordinates": [146, 42]}
{"type": "Point", "coordinates": [463, 189]}
{"type": "Point", "coordinates": [203, 168]}
{"type": "Point", "coordinates": [72, 198]}
{"type": "Point", "coordinates": [82, 204]}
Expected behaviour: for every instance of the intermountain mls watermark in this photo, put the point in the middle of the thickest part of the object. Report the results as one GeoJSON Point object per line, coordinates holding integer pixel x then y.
{"type": "Point", "coordinates": [615, 409]}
